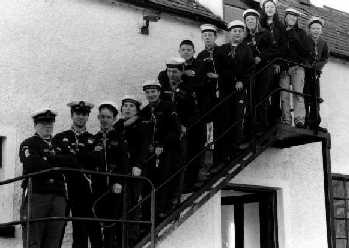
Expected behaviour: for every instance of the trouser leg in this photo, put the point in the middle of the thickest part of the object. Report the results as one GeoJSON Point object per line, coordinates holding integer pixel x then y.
{"type": "Point", "coordinates": [54, 229]}
{"type": "Point", "coordinates": [285, 98]}
{"type": "Point", "coordinates": [297, 77]}
{"type": "Point", "coordinates": [40, 208]}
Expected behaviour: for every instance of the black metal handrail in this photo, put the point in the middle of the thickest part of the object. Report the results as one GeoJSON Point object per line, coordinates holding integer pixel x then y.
{"type": "Point", "coordinates": [28, 220]}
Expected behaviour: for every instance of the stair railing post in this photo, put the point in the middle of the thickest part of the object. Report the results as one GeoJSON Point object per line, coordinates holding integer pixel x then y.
{"type": "Point", "coordinates": [152, 217]}
{"type": "Point", "coordinates": [30, 184]}
{"type": "Point", "coordinates": [252, 112]}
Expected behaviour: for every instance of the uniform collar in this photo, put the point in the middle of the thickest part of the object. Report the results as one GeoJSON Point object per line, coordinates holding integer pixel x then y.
{"type": "Point", "coordinates": [78, 131]}
{"type": "Point", "coordinates": [106, 131]}
{"type": "Point", "coordinates": [44, 139]}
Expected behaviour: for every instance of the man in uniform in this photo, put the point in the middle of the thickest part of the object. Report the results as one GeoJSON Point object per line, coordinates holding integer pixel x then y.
{"type": "Point", "coordinates": [238, 66]}
{"type": "Point", "coordinates": [186, 51]}
{"type": "Point", "coordinates": [183, 97]}
{"type": "Point", "coordinates": [162, 121]}
{"type": "Point", "coordinates": [208, 78]}
{"type": "Point", "coordinates": [47, 198]}
{"type": "Point", "coordinates": [110, 155]}
{"type": "Point", "coordinates": [77, 142]}
{"type": "Point", "coordinates": [319, 58]}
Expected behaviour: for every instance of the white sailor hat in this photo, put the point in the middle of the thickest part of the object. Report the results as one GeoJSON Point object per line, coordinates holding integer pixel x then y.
{"type": "Point", "coordinates": [131, 98]}
{"type": "Point", "coordinates": [44, 115]}
{"type": "Point", "coordinates": [249, 12]}
{"type": "Point", "coordinates": [208, 28]}
{"type": "Point", "coordinates": [110, 105]}
{"type": "Point", "coordinates": [236, 24]}
{"type": "Point", "coordinates": [316, 19]}
{"type": "Point", "coordinates": [81, 106]}
{"type": "Point", "coordinates": [292, 11]}
{"type": "Point", "coordinates": [151, 84]}
{"type": "Point", "coordinates": [175, 62]}
{"type": "Point", "coordinates": [263, 2]}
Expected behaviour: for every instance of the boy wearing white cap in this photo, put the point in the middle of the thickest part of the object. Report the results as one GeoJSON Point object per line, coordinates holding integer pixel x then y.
{"type": "Point", "coordinates": [319, 58]}
{"type": "Point", "coordinates": [298, 51]}
{"type": "Point", "coordinates": [110, 155]}
{"type": "Point", "coordinates": [163, 126]}
{"type": "Point", "coordinates": [260, 42]}
{"type": "Point", "coordinates": [239, 64]}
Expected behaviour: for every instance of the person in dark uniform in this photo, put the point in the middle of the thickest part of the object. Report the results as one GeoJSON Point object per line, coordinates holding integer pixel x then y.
{"type": "Point", "coordinates": [163, 125]}
{"type": "Point", "coordinates": [48, 190]}
{"type": "Point", "coordinates": [260, 42]}
{"type": "Point", "coordinates": [319, 58]}
{"type": "Point", "coordinates": [238, 65]}
{"type": "Point", "coordinates": [271, 23]}
{"type": "Point", "coordinates": [110, 155]}
{"type": "Point", "coordinates": [298, 50]}
{"type": "Point", "coordinates": [182, 95]}
{"type": "Point", "coordinates": [186, 51]}
{"type": "Point", "coordinates": [209, 81]}
{"type": "Point", "coordinates": [134, 133]}
{"type": "Point", "coordinates": [77, 142]}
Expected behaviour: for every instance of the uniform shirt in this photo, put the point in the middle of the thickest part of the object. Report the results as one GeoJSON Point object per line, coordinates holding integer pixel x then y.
{"type": "Point", "coordinates": [110, 155]}
{"type": "Point", "coordinates": [79, 146]}
{"type": "Point", "coordinates": [239, 63]}
{"type": "Point", "coordinates": [319, 53]}
{"type": "Point", "coordinates": [278, 39]}
{"type": "Point", "coordinates": [185, 101]}
{"type": "Point", "coordinates": [298, 49]}
{"type": "Point", "coordinates": [37, 154]}
{"type": "Point", "coordinates": [261, 46]}
{"type": "Point", "coordinates": [137, 140]}
{"type": "Point", "coordinates": [162, 122]}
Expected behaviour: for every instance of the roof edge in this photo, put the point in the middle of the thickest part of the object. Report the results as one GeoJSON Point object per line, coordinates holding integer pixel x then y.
{"type": "Point", "coordinates": [187, 14]}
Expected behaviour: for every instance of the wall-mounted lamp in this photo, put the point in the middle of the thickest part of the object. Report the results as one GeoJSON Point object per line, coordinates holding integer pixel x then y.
{"type": "Point", "coordinates": [146, 19]}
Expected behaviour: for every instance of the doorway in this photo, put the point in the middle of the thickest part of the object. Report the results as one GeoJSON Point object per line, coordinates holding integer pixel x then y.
{"type": "Point", "coordinates": [249, 217]}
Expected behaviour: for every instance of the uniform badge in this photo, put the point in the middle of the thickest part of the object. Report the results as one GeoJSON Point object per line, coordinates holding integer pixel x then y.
{"type": "Point", "coordinates": [89, 141]}
{"type": "Point", "coordinates": [65, 139]}
{"type": "Point", "coordinates": [26, 153]}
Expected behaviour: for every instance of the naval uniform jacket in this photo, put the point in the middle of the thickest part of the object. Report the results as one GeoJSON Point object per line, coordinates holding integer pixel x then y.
{"type": "Point", "coordinates": [261, 46]}
{"type": "Point", "coordinates": [79, 146]}
{"type": "Point", "coordinates": [162, 122]}
{"type": "Point", "coordinates": [110, 155]}
{"type": "Point", "coordinates": [136, 140]}
{"type": "Point", "coordinates": [37, 154]}
{"type": "Point", "coordinates": [319, 53]}
{"type": "Point", "coordinates": [238, 65]}
{"type": "Point", "coordinates": [298, 48]}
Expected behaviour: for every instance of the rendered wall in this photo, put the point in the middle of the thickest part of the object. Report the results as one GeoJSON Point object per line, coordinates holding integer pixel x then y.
{"type": "Point", "coordinates": [297, 174]}
{"type": "Point", "coordinates": [202, 229]}
{"type": "Point", "coordinates": [53, 52]}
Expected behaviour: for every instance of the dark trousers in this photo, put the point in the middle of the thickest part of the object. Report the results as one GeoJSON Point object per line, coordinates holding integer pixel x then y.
{"type": "Point", "coordinates": [275, 109]}
{"type": "Point", "coordinates": [192, 144]}
{"type": "Point", "coordinates": [44, 234]}
{"type": "Point", "coordinates": [169, 162]}
{"type": "Point", "coordinates": [312, 87]}
{"type": "Point", "coordinates": [263, 86]}
{"type": "Point", "coordinates": [80, 204]}
{"type": "Point", "coordinates": [228, 127]}
{"type": "Point", "coordinates": [110, 207]}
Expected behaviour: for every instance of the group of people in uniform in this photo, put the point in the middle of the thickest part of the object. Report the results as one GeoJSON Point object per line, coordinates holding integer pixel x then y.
{"type": "Point", "coordinates": [196, 105]}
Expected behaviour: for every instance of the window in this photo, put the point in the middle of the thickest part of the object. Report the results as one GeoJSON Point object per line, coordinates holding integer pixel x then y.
{"type": "Point", "coordinates": [341, 210]}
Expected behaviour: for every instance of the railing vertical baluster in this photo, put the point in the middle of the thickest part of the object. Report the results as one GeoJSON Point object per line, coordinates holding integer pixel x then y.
{"type": "Point", "coordinates": [28, 211]}
{"type": "Point", "coordinates": [124, 217]}
{"type": "Point", "coordinates": [152, 217]}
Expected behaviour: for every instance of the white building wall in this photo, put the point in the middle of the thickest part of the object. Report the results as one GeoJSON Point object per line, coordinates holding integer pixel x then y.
{"type": "Point", "coordinates": [53, 52]}
{"type": "Point", "coordinates": [334, 111]}
{"type": "Point", "coordinates": [297, 174]}
{"type": "Point", "coordinates": [202, 229]}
